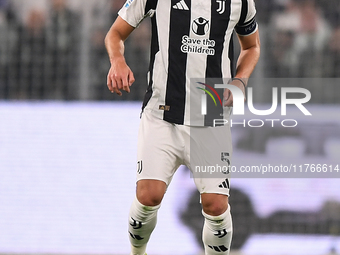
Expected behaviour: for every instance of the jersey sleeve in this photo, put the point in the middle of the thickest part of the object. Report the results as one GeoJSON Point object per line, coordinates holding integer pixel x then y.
{"type": "Point", "coordinates": [247, 24]}
{"type": "Point", "coordinates": [134, 11]}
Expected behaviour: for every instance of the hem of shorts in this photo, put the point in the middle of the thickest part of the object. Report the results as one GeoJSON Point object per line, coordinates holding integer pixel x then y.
{"type": "Point", "coordinates": [152, 178]}
{"type": "Point", "coordinates": [214, 192]}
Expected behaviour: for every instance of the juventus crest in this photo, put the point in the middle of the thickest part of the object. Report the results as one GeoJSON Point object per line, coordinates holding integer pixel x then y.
{"type": "Point", "coordinates": [221, 6]}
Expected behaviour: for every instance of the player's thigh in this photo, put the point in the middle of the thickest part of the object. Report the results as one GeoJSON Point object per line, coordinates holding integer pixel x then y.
{"type": "Point", "coordinates": [210, 159]}
{"type": "Point", "coordinates": [159, 149]}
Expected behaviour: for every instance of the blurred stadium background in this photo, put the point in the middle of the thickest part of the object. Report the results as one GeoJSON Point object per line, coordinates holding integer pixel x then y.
{"type": "Point", "coordinates": [67, 145]}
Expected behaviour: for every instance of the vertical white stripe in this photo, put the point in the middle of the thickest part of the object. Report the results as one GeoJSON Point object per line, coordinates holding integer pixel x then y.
{"type": "Point", "coordinates": [204, 104]}
{"type": "Point", "coordinates": [196, 63]}
{"type": "Point", "coordinates": [235, 11]}
{"type": "Point", "coordinates": [161, 64]}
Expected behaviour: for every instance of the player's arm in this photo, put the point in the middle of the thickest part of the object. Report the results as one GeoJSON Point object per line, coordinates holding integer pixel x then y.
{"type": "Point", "coordinates": [120, 75]}
{"type": "Point", "coordinates": [248, 58]}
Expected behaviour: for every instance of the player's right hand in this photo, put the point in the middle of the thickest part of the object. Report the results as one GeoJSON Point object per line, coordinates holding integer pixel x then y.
{"type": "Point", "coordinates": [228, 96]}
{"type": "Point", "coordinates": [120, 77]}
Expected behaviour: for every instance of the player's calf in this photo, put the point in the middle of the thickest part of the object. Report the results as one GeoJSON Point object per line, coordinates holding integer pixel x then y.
{"type": "Point", "coordinates": [142, 221]}
{"type": "Point", "coordinates": [217, 233]}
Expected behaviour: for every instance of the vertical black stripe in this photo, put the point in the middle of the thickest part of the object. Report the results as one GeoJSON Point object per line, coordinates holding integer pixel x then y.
{"type": "Point", "coordinates": [244, 12]}
{"type": "Point", "coordinates": [228, 184]}
{"type": "Point", "coordinates": [151, 4]}
{"type": "Point", "coordinates": [176, 83]}
{"type": "Point", "coordinates": [218, 29]}
{"type": "Point", "coordinates": [232, 57]}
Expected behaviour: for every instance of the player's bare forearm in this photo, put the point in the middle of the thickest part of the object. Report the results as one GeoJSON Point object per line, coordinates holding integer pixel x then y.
{"type": "Point", "coordinates": [249, 56]}
{"type": "Point", "coordinates": [114, 40]}
{"type": "Point", "coordinates": [120, 75]}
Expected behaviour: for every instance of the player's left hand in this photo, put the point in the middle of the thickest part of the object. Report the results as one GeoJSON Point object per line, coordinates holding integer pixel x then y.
{"type": "Point", "coordinates": [120, 76]}
{"type": "Point", "coordinates": [228, 96]}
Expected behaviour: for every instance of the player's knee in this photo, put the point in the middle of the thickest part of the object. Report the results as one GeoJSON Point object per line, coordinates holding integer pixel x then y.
{"type": "Point", "coordinates": [149, 199]}
{"type": "Point", "coordinates": [214, 209]}
{"type": "Point", "coordinates": [214, 204]}
{"type": "Point", "coordinates": [150, 192]}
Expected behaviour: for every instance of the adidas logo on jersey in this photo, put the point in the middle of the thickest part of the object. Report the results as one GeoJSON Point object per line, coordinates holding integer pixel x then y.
{"type": "Point", "coordinates": [181, 5]}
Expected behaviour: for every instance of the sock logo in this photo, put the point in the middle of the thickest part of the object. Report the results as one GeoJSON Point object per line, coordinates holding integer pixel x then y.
{"type": "Point", "coordinates": [220, 248]}
{"type": "Point", "coordinates": [138, 237]}
{"type": "Point", "coordinates": [136, 224]}
{"type": "Point", "coordinates": [221, 233]}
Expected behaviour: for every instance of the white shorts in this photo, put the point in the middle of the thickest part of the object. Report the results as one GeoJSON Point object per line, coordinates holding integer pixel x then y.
{"type": "Point", "coordinates": [163, 147]}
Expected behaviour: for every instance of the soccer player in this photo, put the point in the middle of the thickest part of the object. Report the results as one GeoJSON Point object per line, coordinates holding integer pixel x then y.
{"type": "Point", "coordinates": [190, 39]}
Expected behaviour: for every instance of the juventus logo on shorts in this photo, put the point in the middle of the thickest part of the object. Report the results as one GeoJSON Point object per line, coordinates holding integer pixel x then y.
{"type": "Point", "coordinates": [139, 166]}
{"type": "Point", "coordinates": [221, 6]}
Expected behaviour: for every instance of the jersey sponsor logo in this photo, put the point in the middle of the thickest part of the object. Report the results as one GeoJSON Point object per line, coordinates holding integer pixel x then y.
{"type": "Point", "coordinates": [200, 26]}
{"type": "Point", "coordinates": [181, 5]}
{"type": "Point", "coordinates": [221, 6]}
{"type": "Point", "coordinates": [198, 46]}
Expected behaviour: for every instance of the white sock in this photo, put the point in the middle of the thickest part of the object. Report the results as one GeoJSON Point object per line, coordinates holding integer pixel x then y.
{"type": "Point", "coordinates": [217, 233]}
{"type": "Point", "coordinates": [142, 221]}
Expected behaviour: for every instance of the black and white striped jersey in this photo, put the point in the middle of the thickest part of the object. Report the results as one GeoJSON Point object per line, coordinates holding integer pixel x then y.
{"type": "Point", "coordinates": [190, 39]}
